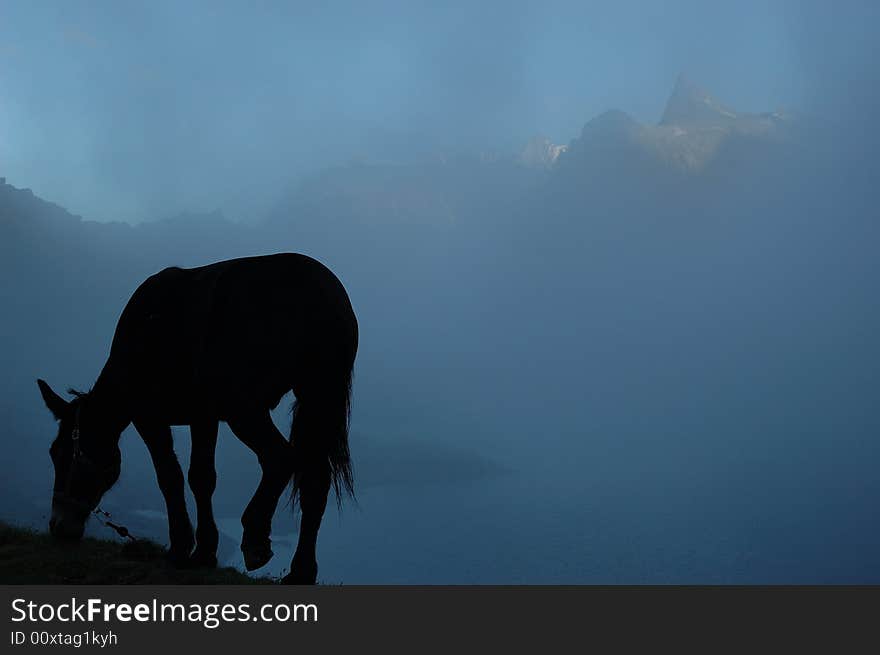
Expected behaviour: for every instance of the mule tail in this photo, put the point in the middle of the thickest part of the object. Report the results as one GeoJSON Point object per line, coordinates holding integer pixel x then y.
{"type": "Point", "coordinates": [319, 437]}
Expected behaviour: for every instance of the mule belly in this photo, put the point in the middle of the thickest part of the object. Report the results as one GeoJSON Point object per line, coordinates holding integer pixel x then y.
{"type": "Point", "coordinates": [170, 397]}
{"type": "Point", "coordinates": [244, 382]}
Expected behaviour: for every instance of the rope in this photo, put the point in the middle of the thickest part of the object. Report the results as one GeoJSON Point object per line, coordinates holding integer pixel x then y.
{"type": "Point", "coordinates": [104, 519]}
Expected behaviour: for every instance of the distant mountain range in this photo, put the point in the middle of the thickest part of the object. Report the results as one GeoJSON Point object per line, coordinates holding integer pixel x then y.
{"type": "Point", "coordinates": [693, 130]}
{"type": "Point", "coordinates": [694, 133]}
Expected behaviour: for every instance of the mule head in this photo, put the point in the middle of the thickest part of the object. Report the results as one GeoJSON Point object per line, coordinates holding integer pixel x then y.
{"type": "Point", "coordinates": [86, 460]}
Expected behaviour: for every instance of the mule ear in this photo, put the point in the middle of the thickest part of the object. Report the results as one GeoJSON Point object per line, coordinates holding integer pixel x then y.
{"type": "Point", "coordinates": [56, 404]}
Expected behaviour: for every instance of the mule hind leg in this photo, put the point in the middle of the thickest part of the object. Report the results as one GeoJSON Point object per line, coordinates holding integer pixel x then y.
{"type": "Point", "coordinates": [314, 481]}
{"type": "Point", "coordinates": [258, 432]}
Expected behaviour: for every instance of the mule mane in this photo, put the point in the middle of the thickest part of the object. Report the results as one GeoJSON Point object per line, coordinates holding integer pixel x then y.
{"type": "Point", "coordinates": [77, 394]}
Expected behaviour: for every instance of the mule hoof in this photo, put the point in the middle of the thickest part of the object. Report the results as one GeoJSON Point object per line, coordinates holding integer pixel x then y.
{"type": "Point", "coordinates": [177, 559]}
{"type": "Point", "coordinates": [301, 573]}
{"type": "Point", "coordinates": [203, 560]}
{"type": "Point", "coordinates": [295, 577]}
{"type": "Point", "coordinates": [256, 556]}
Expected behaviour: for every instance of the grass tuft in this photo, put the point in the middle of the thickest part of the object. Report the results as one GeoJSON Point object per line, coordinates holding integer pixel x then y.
{"type": "Point", "coordinates": [31, 557]}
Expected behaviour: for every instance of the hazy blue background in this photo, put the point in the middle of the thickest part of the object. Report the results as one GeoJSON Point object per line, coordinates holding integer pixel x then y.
{"type": "Point", "coordinates": [614, 368]}
{"type": "Point", "coordinates": [99, 97]}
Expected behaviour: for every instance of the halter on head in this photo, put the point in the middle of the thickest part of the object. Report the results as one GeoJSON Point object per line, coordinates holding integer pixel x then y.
{"type": "Point", "coordinates": [83, 462]}
{"type": "Point", "coordinates": [74, 434]}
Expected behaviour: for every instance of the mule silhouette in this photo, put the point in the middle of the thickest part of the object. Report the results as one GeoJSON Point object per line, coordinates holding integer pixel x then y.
{"type": "Point", "coordinates": [222, 342]}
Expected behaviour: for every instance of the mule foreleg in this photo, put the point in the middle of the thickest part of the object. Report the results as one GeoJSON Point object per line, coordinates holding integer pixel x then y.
{"type": "Point", "coordinates": [273, 451]}
{"type": "Point", "coordinates": [202, 478]}
{"type": "Point", "coordinates": [169, 475]}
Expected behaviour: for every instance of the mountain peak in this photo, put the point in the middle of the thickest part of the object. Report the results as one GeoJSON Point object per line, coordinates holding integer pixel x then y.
{"type": "Point", "coordinates": [540, 152]}
{"type": "Point", "coordinates": [613, 120]}
{"type": "Point", "coordinates": [690, 104]}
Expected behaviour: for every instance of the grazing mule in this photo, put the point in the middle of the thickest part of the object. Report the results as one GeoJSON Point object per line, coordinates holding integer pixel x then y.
{"type": "Point", "coordinates": [222, 342]}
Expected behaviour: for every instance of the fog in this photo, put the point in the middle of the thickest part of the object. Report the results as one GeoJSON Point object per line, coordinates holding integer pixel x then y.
{"type": "Point", "coordinates": [137, 113]}
{"type": "Point", "coordinates": [650, 359]}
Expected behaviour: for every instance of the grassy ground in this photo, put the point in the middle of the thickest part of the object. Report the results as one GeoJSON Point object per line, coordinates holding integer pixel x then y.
{"type": "Point", "coordinates": [29, 557]}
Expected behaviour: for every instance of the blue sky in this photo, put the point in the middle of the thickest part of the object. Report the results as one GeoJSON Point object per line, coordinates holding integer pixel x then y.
{"type": "Point", "coordinates": [131, 111]}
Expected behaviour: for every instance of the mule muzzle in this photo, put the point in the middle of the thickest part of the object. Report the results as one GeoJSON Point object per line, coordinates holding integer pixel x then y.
{"type": "Point", "coordinates": [66, 529]}
{"type": "Point", "coordinates": [68, 520]}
